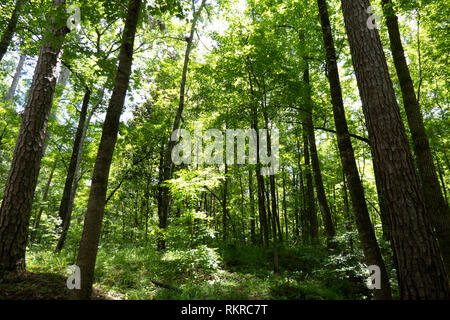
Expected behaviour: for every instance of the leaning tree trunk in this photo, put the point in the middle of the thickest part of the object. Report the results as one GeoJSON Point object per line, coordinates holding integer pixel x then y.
{"type": "Point", "coordinates": [366, 232]}
{"type": "Point", "coordinates": [19, 191]}
{"type": "Point", "coordinates": [163, 207]}
{"type": "Point", "coordinates": [94, 215]}
{"type": "Point", "coordinates": [421, 270]}
{"type": "Point", "coordinates": [10, 28]}
{"type": "Point", "coordinates": [434, 201]}
{"type": "Point", "coordinates": [65, 201]}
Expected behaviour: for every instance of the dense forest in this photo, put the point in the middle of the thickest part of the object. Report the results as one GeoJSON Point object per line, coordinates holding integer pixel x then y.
{"type": "Point", "coordinates": [224, 149]}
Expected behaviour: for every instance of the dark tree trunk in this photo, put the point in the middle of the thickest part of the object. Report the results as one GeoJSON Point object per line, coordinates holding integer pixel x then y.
{"type": "Point", "coordinates": [10, 28]}
{"type": "Point", "coordinates": [313, 227]}
{"type": "Point", "coordinates": [421, 270]}
{"type": "Point", "coordinates": [64, 213]}
{"type": "Point", "coordinates": [434, 201]}
{"type": "Point", "coordinates": [366, 232]}
{"type": "Point", "coordinates": [252, 206]}
{"type": "Point", "coordinates": [320, 190]}
{"type": "Point", "coordinates": [285, 207]}
{"type": "Point", "coordinates": [19, 191]}
{"type": "Point", "coordinates": [94, 215]}
{"type": "Point", "coordinates": [264, 228]}
{"type": "Point", "coordinates": [225, 205]}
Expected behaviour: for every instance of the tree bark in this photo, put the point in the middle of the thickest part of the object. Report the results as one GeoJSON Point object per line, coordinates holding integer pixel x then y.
{"type": "Point", "coordinates": [10, 28]}
{"type": "Point", "coordinates": [421, 270]}
{"type": "Point", "coordinates": [93, 220]}
{"type": "Point", "coordinates": [366, 232]}
{"type": "Point", "coordinates": [21, 183]}
{"type": "Point", "coordinates": [434, 201]}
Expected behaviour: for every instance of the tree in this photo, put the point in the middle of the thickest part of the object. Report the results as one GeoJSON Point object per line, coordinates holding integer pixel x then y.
{"type": "Point", "coordinates": [434, 201]}
{"type": "Point", "coordinates": [167, 160]}
{"type": "Point", "coordinates": [421, 271]}
{"type": "Point", "coordinates": [16, 206]}
{"type": "Point", "coordinates": [93, 220]}
{"type": "Point", "coordinates": [64, 212]}
{"type": "Point", "coordinates": [366, 232]}
{"type": "Point", "coordinates": [8, 33]}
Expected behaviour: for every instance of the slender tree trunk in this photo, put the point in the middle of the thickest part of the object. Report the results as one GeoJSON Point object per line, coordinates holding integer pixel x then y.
{"type": "Point", "coordinates": [252, 206]}
{"type": "Point", "coordinates": [94, 215]}
{"type": "Point", "coordinates": [168, 166]}
{"type": "Point", "coordinates": [16, 78]}
{"type": "Point", "coordinates": [44, 199]}
{"type": "Point", "coordinates": [304, 211]}
{"type": "Point", "coordinates": [366, 232]}
{"type": "Point", "coordinates": [19, 191]}
{"type": "Point", "coordinates": [441, 177]}
{"type": "Point", "coordinates": [421, 270]}
{"type": "Point", "coordinates": [311, 215]}
{"type": "Point", "coordinates": [434, 201]}
{"type": "Point", "coordinates": [320, 190]}
{"type": "Point", "coordinates": [225, 205]}
{"type": "Point", "coordinates": [264, 228]}
{"type": "Point", "coordinates": [275, 219]}
{"type": "Point", "coordinates": [285, 207]}
{"type": "Point", "coordinates": [10, 28]}
{"type": "Point", "coordinates": [68, 186]}
{"type": "Point", "coordinates": [348, 222]}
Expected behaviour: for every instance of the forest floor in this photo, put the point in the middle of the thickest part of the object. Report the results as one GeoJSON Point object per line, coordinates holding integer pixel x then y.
{"type": "Point", "coordinates": [241, 272]}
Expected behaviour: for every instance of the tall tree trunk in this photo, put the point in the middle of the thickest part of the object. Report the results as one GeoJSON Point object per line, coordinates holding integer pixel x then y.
{"type": "Point", "coordinates": [434, 201]}
{"type": "Point", "coordinates": [348, 222]}
{"type": "Point", "coordinates": [366, 232]}
{"type": "Point", "coordinates": [320, 190]}
{"type": "Point", "coordinates": [311, 215]}
{"type": "Point", "coordinates": [264, 228]}
{"type": "Point", "coordinates": [94, 215]}
{"type": "Point", "coordinates": [421, 270]}
{"type": "Point", "coordinates": [10, 28]}
{"type": "Point", "coordinates": [16, 78]}
{"type": "Point", "coordinates": [168, 166]}
{"type": "Point", "coordinates": [37, 221]}
{"type": "Point", "coordinates": [285, 206]}
{"type": "Point", "coordinates": [252, 206]}
{"type": "Point", "coordinates": [19, 191]}
{"type": "Point", "coordinates": [441, 177]}
{"type": "Point", "coordinates": [225, 205]}
{"type": "Point", "coordinates": [65, 201]}
{"type": "Point", "coordinates": [275, 218]}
